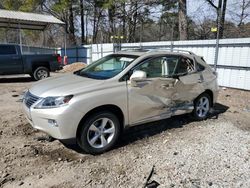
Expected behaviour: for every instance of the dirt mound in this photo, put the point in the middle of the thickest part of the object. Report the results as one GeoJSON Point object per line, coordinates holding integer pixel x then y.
{"type": "Point", "coordinates": [73, 67]}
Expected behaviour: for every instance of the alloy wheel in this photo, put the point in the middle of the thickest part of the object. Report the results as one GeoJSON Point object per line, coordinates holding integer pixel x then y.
{"type": "Point", "coordinates": [101, 133]}
{"type": "Point", "coordinates": [202, 107]}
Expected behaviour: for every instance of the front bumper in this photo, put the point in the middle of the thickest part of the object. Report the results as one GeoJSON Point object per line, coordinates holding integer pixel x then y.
{"type": "Point", "coordinates": [67, 120]}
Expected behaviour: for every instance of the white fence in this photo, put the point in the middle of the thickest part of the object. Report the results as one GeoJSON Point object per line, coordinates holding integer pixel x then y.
{"type": "Point", "coordinates": [233, 62]}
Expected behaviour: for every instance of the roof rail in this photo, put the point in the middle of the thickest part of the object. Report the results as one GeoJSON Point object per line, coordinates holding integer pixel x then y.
{"type": "Point", "coordinates": [141, 49]}
{"type": "Point", "coordinates": [135, 49]}
{"type": "Point", "coordinates": [172, 50]}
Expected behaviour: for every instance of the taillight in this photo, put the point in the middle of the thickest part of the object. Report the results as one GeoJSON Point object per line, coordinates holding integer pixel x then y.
{"type": "Point", "coordinates": [59, 59]}
{"type": "Point", "coordinates": [215, 73]}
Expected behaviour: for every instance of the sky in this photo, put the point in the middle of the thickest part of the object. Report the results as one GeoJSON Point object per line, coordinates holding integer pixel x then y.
{"type": "Point", "coordinates": [200, 9]}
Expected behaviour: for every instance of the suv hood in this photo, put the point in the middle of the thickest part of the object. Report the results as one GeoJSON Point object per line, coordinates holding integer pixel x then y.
{"type": "Point", "coordinates": [64, 85]}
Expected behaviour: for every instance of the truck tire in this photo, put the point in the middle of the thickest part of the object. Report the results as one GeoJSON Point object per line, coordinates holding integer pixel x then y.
{"type": "Point", "coordinates": [41, 73]}
{"type": "Point", "coordinates": [32, 76]}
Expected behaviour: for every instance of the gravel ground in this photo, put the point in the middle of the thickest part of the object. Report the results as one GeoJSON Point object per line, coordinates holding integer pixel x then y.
{"type": "Point", "coordinates": [184, 153]}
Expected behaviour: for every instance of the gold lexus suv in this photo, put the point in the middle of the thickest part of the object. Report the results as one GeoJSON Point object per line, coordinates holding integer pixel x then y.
{"type": "Point", "coordinates": [94, 105]}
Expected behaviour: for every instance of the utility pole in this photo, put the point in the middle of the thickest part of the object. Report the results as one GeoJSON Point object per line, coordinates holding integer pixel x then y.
{"type": "Point", "coordinates": [217, 37]}
{"type": "Point", "coordinates": [172, 38]}
{"type": "Point", "coordinates": [20, 37]}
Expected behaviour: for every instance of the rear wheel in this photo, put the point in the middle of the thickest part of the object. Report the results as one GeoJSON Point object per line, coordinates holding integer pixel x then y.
{"type": "Point", "coordinates": [32, 76]}
{"type": "Point", "coordinates": [99, 133]}
{"type": "Point", "coordinates": [41, 73]}
{"type": "Point", "coordinates": [202, 106]}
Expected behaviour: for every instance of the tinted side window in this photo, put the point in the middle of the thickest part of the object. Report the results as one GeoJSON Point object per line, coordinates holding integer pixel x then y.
{"type": "Point", "coordinates": [185, 66]}
{"type": "Point", "coordinates": [159, 67]}
{"type": "Point", "coordinates": [7, 50]}
{"type": "Point", "coordinates": [152, 67]}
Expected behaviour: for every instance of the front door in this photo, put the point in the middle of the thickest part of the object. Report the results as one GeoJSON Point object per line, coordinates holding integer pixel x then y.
{"type": "Point", "coordinates": [151, 98]}
{"type": "Point", "coordinates": [10, 60]}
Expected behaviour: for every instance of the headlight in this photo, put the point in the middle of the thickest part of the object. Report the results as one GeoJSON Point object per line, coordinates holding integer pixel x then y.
{"type": "Point", "coordinates": [23, 97]}
{"type": "Point", "coordinates": [53, 102]}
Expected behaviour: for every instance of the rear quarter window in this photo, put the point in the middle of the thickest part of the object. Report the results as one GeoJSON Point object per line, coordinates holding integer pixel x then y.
{"type": "Point", "coordinates": [7, 50]}
{"type": "Point", "coordinates": [200, 67]}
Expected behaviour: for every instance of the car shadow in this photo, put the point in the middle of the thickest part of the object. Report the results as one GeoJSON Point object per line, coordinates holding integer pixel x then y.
{"type": "Point", "coordinates": [150, 129]}
{"type": "Point", "coordinates": [16, 79]}
{"type": "Point", "coordinates": [139, 132]}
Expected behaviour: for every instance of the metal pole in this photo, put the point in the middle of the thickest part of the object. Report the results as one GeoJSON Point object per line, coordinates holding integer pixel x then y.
{"type": "Point", "coordinates": [217, 48]}
{"type": "Point", "coordinates": [44, 44]}
{"type": "Point", "coordinates": [101, 43]}
{"type": "Point", "coordinates": [141, 34]}
{"type": "Point", "coordinates": [65, 43]}
{"type": "Point", "coordinates": [20, 37]}
{"type": "Point", "coordinates": [172, 38]}
{"type": "Point", "coordinates": [217, 40]}
{"type": "Point", "coordinates": [91, 54]}
{"type": "Point", "coordinates": [77, 54]}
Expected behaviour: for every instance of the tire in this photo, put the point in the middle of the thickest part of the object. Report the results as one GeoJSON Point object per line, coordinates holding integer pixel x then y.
{"type": "Point", "coordinates": [94, 138]}
{"type": "Point", "coordinates": [32, 76]}
{"type": "Point", "coordinates": [41, 73]}
{"type": "Point", "coordinates": [202, 105]}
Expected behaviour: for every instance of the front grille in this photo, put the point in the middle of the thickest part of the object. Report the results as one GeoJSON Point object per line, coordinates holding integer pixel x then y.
{"type": "Point", "coordinates": [30, 99]}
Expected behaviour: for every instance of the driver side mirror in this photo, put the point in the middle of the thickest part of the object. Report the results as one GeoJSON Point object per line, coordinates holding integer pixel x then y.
{"type": "Point", "coordinates": [137, 76]}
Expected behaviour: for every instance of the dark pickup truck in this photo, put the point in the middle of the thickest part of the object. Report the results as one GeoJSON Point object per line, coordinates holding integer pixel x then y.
{"type": "Point", "coordinates": [38, 66]}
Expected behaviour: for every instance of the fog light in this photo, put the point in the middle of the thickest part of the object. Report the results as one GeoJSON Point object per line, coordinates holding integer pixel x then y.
{"type": "Point", "coordinates": [52, 122]}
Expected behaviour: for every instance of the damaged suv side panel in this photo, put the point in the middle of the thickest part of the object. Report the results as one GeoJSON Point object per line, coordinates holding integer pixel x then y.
{"type": "Point", "coordinates": [161, 97]}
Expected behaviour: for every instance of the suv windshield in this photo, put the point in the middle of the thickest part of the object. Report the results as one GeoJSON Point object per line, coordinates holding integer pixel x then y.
{"type": "Point", "coordinates": [107, 67]}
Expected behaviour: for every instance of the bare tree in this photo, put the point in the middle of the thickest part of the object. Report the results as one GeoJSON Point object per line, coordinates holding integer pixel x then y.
{"type": "Point", "coordinates": [66, 13]}
{"type": "Point", "coordinates": [244, 12]}
{"type": "Point", "coordinates": [221, 12]}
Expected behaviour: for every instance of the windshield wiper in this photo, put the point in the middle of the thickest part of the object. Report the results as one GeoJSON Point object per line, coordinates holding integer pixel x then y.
{"type": "Point", "coordinates": [84, 75]}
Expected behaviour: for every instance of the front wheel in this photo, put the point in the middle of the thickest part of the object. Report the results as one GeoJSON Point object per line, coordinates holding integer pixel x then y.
{"type": "Point", "coordinates": [41, 73]}
{"type": "Point", "coordinates": [99, 133]}
{"type": "Point", "coordinates": [202, 106]}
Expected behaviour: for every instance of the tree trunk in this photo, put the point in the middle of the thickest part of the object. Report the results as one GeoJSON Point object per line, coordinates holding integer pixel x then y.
{"type": "Point", "coordinates": [71, 25]}
{"type": "Point", "coordinates": [124, 19]}
{"type": "Point", "coordinates": [86, 29]}
{"type": "Point", "coordinates": [222, 19]}
{"type": "Point", "coordinates": [111, 16]}
{"type": "Point", "coordinates": [221, 12]}
{"type": "Point", "coordinates": [82, 22]}
{"type": "Point", "coordinates": [242, 13]}
{"type": "Point", "coordinates": [97, 18]}
{"type": "Point", "coordinates": [183, 20]}
{"type": "Point", "coordinates": [94, 26]}
{"type": "Point", "coordinates": [135, 17]}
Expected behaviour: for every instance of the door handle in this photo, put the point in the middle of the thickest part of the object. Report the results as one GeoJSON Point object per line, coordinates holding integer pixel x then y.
{"type": "Point", "coordinates": [167, 86]}
{"type": "Point", "coordinates": [15, 57]}
{"type": "Point", "coordinates": [199, 81]}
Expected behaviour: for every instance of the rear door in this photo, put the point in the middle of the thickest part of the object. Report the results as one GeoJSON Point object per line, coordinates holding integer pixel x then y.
{"type": "Point", "coordinates": [10, 60]}
{"type": "Point", "coordinates": [189, 85]}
